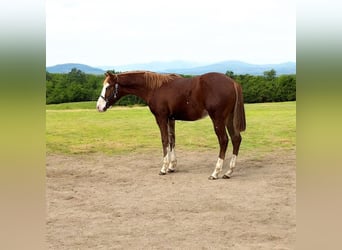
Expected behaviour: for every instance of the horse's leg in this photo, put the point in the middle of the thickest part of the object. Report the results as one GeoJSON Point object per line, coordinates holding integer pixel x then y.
{"type": "Point", "coordinates": [163, 126]}
{"type": "Point", "coordinates": [236, 141]}
{"type": "Point", "coordinates": [220, 130]}
{"type": "Point", "coordinates": [172, 143]}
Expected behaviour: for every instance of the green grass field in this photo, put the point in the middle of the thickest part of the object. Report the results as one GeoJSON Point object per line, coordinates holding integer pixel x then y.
{"type": "Point", "coordinates": [71, 105]}
{"type": "Point", "coordinates": [77, 128]}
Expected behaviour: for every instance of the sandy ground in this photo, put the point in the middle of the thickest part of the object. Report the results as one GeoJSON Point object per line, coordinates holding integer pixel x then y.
{"type": "Point", "coordinates": [120, 202]}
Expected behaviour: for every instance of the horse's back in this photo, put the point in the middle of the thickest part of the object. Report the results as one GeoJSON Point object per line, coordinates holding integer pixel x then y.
{"type": "Point", "coordinates": [216, 79]}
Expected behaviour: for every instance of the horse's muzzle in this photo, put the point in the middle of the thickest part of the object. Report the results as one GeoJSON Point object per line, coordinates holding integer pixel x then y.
{"type": "Point", "coordinates": [101, 110]}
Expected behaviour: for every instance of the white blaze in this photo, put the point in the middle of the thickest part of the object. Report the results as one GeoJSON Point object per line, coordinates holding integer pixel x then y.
{"type": "Point", "coordinates": [101, 103]}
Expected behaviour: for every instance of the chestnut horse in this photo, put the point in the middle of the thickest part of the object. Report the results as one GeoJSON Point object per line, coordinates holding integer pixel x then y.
{"type": "Point", "coordinates": [171, 97]}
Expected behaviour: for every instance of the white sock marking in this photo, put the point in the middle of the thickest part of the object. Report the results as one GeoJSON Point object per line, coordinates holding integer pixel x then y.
{"type": "Point", "coordinates": [165, 164]}
{"type": "Point", "coordinates": [231, 166]}
{"type": "Point", "coordinates": [218, 168]}
{"type": "Point", "coordinates": [173, 160]}
{"type": "Point", "coordinates": [166, 161]}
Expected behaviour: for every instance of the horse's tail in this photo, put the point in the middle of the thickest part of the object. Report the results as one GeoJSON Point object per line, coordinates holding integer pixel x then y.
{"type": "Point", "coordinates": [239, 118]}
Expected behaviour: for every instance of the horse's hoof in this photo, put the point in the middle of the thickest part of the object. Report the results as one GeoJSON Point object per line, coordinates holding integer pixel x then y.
{"type": "Point", "coordinates": [225, 177]}
{"type": "Point", "coordinates": [212, 178]}
{"type": "Point", "coordinates": [161, 173]}
{"type": "Point", "coordinates": [171, 170]}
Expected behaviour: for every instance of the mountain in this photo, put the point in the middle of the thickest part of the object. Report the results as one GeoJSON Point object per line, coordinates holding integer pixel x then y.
{"type": "Point", "coordinates": [154, 66]}
{"type": "Point", "coordinates": [238, 68]}
{"type": "Point", "coordinates": [67, 67]}
{"type": "Point", "coordinates": [183, 67]}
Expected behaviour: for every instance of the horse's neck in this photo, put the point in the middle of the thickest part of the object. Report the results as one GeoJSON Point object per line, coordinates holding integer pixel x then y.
{"type": "Point", "coordinates": [136, 86]}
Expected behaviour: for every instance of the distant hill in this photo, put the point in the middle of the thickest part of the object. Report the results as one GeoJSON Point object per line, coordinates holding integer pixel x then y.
{"type": "Point", "coordinates": [238, 68]}
{"type": "Point", "coordinates": [67, 67]}
{"type": "Point", "coordinates": [155, 66]}
{"type": "Point", "coordinates": [183, 67]}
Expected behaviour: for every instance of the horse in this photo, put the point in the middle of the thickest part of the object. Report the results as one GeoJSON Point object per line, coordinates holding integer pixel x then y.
{"type": "Point", "coordinates": [172, 97]}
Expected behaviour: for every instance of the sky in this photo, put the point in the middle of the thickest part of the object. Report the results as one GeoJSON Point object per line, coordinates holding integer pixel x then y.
{"type": "Point", "coordinates": [108, 32]}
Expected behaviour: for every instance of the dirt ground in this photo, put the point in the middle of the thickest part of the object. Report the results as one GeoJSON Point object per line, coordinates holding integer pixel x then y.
{"type": "Point", "coordinates": [120, 202]}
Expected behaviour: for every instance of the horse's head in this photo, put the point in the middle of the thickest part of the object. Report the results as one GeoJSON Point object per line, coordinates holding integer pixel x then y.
{"type": "Point", "coordinates": [110, 92]}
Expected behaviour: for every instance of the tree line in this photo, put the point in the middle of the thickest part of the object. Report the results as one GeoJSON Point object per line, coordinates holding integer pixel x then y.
{"type": "Point", "coordinates": [77, 86]}
{"type": "Point", "coordinates": [266, 88]}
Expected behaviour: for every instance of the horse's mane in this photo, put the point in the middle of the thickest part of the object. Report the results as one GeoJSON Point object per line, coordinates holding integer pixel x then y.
{"type": "Point", "coordinates": [154, 80]}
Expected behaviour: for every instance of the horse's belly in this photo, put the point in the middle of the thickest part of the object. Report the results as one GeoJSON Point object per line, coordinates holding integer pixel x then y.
{"type": "Point", "coordinates": [189, 115]}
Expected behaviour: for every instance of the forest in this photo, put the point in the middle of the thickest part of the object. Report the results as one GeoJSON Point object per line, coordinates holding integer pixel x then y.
{"type": "Point", "coordinates": [77, 86]}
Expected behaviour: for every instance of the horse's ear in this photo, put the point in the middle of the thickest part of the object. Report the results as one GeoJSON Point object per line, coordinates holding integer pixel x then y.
{"type": "Point", "coordinates": [109, 73]}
